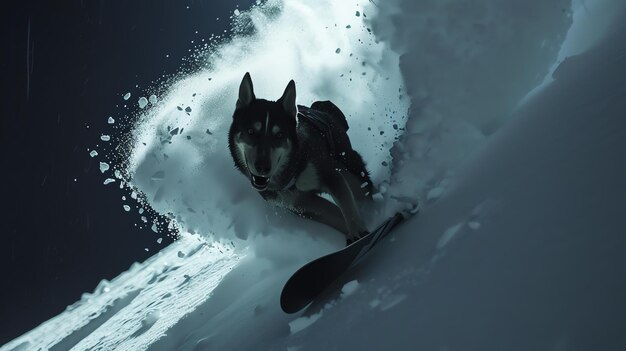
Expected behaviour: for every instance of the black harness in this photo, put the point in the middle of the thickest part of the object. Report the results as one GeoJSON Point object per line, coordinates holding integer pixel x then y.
{"type": "Point", "coordinates": [317, 118]}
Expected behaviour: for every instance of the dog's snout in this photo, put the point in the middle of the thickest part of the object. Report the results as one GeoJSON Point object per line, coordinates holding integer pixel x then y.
{"type": "Point", "coordinates": [263, 168]}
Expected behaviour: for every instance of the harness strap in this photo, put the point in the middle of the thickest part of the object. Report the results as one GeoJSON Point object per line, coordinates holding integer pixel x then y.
{"type": "Point", "coordinates": [320, 123]}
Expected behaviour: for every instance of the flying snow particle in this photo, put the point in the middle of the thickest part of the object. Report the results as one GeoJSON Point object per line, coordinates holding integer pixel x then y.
{"type": "Point", "coordinates": [93, 153]}
{"type": "Point", "coordinates": [142, 102]}
{"type": "Point", "coordinates": [236, 12]}
{"type": "Point", "coordinates": [159, 240]}
{"type": "Point", "coordinates": [104, 167]}
{"type": "Point", "coordinates": [126, 208]}
{"type": "Point", "coordinates": [126, 96]}
{"type": "Point", "coordinates": [337, 51]}
{"type": "Point", "coordinates": [152, 99]}
{"type": "Point", "coordinates": [111, 120]}
{"type": "Point", "coordinates": [109, 181]}
{"type": "Point", "coordinates": [104, 137]}
{"type": "Point", "coordinates": [154, 228]}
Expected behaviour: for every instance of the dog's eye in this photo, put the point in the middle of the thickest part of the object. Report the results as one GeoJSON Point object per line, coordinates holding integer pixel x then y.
{"type": "Point", "coordinates": [279, 135]}
{"type": "Point", "coordinates": [250, 131]}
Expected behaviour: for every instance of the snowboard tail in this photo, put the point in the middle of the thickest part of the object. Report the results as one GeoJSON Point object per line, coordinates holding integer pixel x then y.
{"type": "Point", "coordinates": [308, 282]}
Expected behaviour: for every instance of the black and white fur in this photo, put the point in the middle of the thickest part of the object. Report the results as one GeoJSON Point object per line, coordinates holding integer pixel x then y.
{"type": "Point", "coordinates": [289, 161]}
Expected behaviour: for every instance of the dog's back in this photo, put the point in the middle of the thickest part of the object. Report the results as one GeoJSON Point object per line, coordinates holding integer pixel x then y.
{"type": "Point", "coordinates": [330, 126]}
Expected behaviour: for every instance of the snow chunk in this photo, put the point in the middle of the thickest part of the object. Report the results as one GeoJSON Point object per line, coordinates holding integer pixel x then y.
{"type": "Point", "coordinates": [349, 288]}
{"type": "Point", "coordinates": [473, 225]}
{"type": "Point", "coordinates": [159, 240]}
{"type": "Point", "coordinates": [337, 51]}
{"type": "Point", "coordinates": [391, 301]}
{"type": "Point", "coordinates": [126, 96]}
{"type": "Point", "coordinates": [448, 235]}
{"type": "Point", "coordinates": [302, 323]}
{"type": "Point", "coordinates": [104, 167]}
{"type": "Point", "coordinates": [142, 102]}
{"type": "Point", "coordinates": [126, 208]}
{"type": "Point", "coordinates": [434, 193]}
{"type": "Point", "coordinates": [111, 120]}
{"type": "Point", "coordinates": [154, 228]}
{"type": "Point", "coordinates": [109, 181]}
{"type": "Point", "coordinates": [236, 12]}
{"type": "Point", "coordinates": [374, 303]}
{"type": "Point", "coordinates": [159, 175]}
{"type": "Point", "coordinates": [105, 137]}
{"type": "Point", "coordinates": [181, 254]}
{"type": "Point", "coordinates": [153, 99]}
{"type": "Point", "coordinates": [93, 153]}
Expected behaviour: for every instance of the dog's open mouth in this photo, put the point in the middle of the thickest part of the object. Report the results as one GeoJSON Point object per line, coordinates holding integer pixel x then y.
{"type": "Point", "coordinates": [260, 183]}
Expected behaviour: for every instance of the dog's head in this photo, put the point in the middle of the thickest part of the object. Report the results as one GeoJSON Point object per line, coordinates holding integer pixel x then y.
{"type": "Point", "coordinates": [264, 132]}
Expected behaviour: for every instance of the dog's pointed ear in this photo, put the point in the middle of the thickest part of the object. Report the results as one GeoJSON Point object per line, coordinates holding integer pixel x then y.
{"type": "Point", "coordinates": [246, 92]}
{"type": "Point", "coordinates": [288, 100]}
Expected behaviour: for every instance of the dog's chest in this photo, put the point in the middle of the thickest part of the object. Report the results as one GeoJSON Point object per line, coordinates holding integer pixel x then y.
{"type": "Point", "coordinates": [309, 179]}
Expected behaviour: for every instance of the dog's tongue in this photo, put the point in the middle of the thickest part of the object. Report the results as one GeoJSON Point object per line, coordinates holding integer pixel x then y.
{"type": "Point", "coordinates": [259, 183]}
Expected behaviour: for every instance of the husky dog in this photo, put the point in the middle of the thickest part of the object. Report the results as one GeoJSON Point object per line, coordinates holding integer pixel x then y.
{"type": "Point", "coordinates": [292, 154]}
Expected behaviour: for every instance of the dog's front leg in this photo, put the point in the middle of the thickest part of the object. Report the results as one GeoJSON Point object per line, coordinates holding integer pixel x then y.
{"type": "Point", "coordinates": [341, 193]}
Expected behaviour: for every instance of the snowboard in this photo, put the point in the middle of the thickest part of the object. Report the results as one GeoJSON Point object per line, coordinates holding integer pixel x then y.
{"type": "Point", "coordinates": [308, 282]}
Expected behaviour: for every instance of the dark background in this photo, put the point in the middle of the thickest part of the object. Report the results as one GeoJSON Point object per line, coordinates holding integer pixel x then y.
{"type": "Point", "coordinates": [60, 237]}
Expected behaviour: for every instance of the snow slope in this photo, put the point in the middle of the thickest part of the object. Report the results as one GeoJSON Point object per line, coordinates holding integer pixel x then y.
{"type": "Point", "coordinates": [518, 247]}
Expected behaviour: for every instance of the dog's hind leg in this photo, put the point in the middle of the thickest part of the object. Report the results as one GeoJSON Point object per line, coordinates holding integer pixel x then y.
{"type": "Point", "coordinates": [312, 206]}
{"type": "Point", "coordinates": [339, 188]}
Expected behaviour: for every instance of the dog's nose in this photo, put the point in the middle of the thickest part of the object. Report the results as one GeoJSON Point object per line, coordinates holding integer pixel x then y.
{"type": "Point", "coordinates": [263, 168]}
